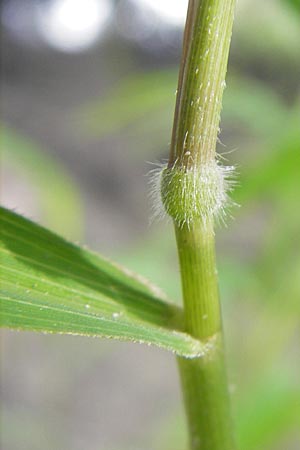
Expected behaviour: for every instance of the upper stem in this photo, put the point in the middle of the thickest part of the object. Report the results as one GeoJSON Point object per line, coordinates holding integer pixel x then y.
{"type": "Point", "coordinates": [201, 82]}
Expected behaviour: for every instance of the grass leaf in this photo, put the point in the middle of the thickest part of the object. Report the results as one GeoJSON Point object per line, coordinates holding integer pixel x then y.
{"type": "Point", "coordinates": [53, 286]}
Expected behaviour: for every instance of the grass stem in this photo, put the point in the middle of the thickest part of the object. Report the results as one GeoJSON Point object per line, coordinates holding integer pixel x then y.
{"type": "Point", "coordinates": [196, 126]}
{"type": "Point", "coordinates": [203, 379]}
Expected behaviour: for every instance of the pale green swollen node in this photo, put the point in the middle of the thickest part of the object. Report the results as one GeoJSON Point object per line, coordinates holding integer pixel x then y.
{"type": "Point", "coordinates": [198, 194]}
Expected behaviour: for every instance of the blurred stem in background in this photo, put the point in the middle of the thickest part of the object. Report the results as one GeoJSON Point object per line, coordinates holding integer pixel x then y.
{"type": "Point", "coordinates": [193, 192]}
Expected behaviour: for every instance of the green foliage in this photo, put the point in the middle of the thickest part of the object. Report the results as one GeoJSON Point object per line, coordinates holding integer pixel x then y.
{"type": "Point", "coordinates": [269, 410]}
{"type": "Point", "coordinates": [275, 173]}
{"type": "Point", "coordinates": [294, 4]}
{"type": "Point", "coordinates": [50, 181]}
{"type": "Point", "coordinates": [53, 286]}
{"type": "Point", "coordinates": [135, 98]}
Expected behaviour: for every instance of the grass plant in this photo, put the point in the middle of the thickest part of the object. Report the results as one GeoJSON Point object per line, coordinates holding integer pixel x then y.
{"type": "Point", "coordinates": [53, 286]}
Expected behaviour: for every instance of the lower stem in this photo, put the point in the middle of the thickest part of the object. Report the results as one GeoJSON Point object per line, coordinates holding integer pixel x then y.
{"type": "Point", "coordinates": [204, 381]}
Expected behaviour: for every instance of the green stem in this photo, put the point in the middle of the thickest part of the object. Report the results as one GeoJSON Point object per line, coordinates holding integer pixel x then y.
{"type": "Point", "coordinates": [203, 379]}
{"type": "Point", "coordinates": [196, 248]}
{"type": "Point", "coordinates": [196, 125]}
{"type": "Point", "coordinates": [201, 81]}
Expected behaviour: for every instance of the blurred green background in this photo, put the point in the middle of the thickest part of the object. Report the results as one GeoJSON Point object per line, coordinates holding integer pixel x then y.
{"type": "Point", "coordinates": [88, 92]}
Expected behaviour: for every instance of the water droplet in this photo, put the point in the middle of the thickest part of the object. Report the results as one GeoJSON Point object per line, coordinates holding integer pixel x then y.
{"type": "Point", "coordinates": [204, 317]}
{"type": "Point", "coordinates": [115, 315]}
{"type": "Point", "coordinates": [87, 306]}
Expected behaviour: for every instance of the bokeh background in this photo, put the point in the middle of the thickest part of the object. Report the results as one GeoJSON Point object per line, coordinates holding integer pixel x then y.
{"type": "Point", "coordinates": [87, 98]}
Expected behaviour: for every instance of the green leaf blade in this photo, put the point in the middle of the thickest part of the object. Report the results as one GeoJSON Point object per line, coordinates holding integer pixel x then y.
{"type": "Point", "coordinates": [53, 286]}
